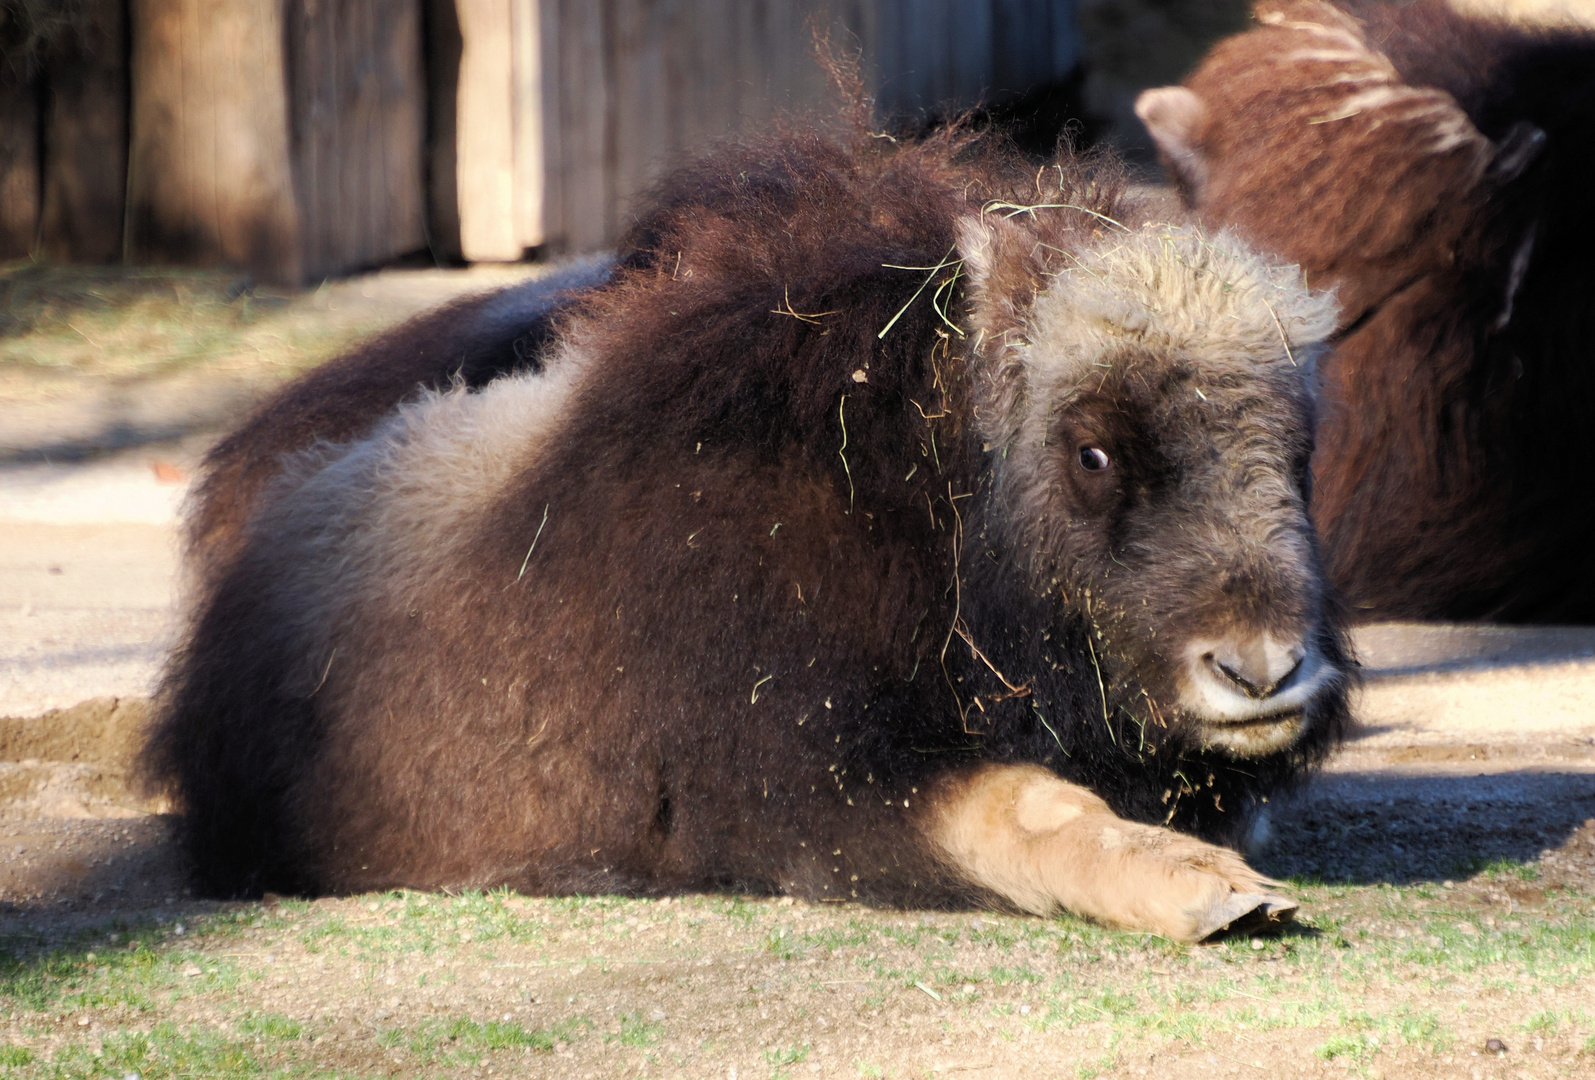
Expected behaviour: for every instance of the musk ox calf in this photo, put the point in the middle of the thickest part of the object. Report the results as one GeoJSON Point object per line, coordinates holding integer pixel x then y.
{"type": "Point", "coordinates": [1434, 169]}
{"type": "Point", "coordinates": [891, 527]}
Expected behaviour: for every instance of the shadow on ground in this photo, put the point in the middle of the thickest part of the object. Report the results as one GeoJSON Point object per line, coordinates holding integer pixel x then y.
{"type": "Point", "coordinates": [1362, 828]}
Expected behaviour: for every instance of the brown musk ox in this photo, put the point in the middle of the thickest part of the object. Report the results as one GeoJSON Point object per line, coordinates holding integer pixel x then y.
{"type": "Point", "coordinates": [1434, 170]}
{"type": "Point", "coordinates": [901, 525]}
{"type": "Point", "coordinates": [469, 342]}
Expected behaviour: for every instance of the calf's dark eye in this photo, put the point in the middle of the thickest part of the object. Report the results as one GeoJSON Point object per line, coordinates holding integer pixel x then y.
{"type": "Point", "coordinates": [1093, 458]}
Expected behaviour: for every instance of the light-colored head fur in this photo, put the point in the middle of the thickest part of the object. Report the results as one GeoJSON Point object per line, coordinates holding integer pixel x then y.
{"type": "Point", "coordinates": [1161, 290]}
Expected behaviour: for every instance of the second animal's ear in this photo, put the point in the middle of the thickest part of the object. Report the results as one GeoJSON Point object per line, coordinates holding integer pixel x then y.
{"type": "Point", "coordinates": [1175, 117]}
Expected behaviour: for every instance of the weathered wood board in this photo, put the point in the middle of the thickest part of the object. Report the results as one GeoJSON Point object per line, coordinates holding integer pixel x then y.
{"type": "Point", "coordinates": [357, 113]}
{"type": "Point", "coordinates": [85, 140]}
{"type": "Point", "coordinates": [19, 167]}
{"type": "Point", "coordinates": [209, 174]}
{"type": "Point", "coordinates": [283, 138]}
{"type": "Point", "coordinates": [629, 87]}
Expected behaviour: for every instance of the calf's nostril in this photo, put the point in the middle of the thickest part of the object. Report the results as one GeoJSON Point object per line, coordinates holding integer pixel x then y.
{"type": "Point", "coordinates": [1258, 666]}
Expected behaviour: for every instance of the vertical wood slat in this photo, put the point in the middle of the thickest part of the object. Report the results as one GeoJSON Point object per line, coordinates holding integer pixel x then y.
{"type": "Point", "coordinates": [280, 136]}
{"type": "Point", "coordinates": [486, 132]}
{"type": "Point", "coordinates": [358, 125]}
{"type": "Point", "coordinates": [527, 99]}
{"type": "Point", "coordinates": [628, 87]}
{"type": "Point", "coordinates": [579, 188]}
{"type": "Point", "coordinates": [19, 167]}
{"type": "Point", "coordinates": [444, 47]}
{"type": "Point", "coordinates": [208, 166]}
{"type": "Point", "coordinates": [85, 140]}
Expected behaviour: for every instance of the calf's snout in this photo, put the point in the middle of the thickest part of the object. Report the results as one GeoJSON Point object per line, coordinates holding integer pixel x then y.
{"type": "Point", "coordinates": [1258, 665]}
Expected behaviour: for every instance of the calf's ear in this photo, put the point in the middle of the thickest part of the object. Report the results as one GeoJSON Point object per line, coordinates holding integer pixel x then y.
{"type": "Point", "coordinates": [996, 253]}
{"type": "Point", "coordinates": [1175, 117]}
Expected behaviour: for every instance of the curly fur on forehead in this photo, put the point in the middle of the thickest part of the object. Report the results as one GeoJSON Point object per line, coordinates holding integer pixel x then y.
{"type": "Point", "coordinates": [1175, 291]}
{"type": "Point", "coordinates": [1158, 294]}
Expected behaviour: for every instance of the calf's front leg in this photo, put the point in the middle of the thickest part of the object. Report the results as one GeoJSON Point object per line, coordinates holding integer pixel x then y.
{"type": "Point", "coordinates": [1043, 844]}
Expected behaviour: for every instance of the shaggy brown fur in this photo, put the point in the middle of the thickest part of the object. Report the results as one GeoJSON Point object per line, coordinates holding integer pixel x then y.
{"type": "Point", "coordinates": [473, 341]}
{"type": "Point", "coordinates": [1434, 169]}
{"type": "Point", "coordinates": [844, 541]}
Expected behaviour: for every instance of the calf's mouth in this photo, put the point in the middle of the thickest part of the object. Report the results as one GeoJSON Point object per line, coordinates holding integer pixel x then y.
{"type": "Point", "coordinates": [1252, 693]}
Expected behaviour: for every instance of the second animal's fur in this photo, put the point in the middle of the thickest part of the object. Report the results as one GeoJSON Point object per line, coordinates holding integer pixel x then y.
{"type": "Point", "coordinates": [896, 526]}
{"type": "Point", "coordinates": [1434, 169]}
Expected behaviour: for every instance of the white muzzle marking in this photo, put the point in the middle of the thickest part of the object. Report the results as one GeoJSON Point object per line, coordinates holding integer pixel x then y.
{"type": "Point", "coordinates": [1251, 695]}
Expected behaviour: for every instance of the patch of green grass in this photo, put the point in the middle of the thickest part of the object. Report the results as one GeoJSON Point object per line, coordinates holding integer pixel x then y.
{"type": "Point", "coordinates": [165, 1052]}
{"type": "Point", "coordinates": [105, 968]}
{"type": "Point", "coordinates": [1496, 869]}
{"type": "Point", "coordinates": [1423, 1029]}
{"type": "Point", "coordinates": [740, 910]}
{"type": "Point", "coordinates": [788, 1055]}
{"type": "Point", "coordinates": [15, 1055]}
{"type": "Point", "coordinates": [1547, 1020]}
{"type": "Point", "coordinates": [1089, 1070]}
{"type": "Point", "coordinates": [464, 1041]}
{"type": "Point", "coordinates": [830, 939]}
{"type": "Point", "coordinates": [315, 938]}
{"type": "Point", "coordinates": [142, 321]}
{"type": "Point", "coordinates": [635, 1031]}
{"type": "Point", "coordinates": [271, 1026]}
{"type": "Point", "coordinates": [1356, 1046]}
{"type": "Point", "coordinates": [404, 922]}
{"type": "Point", "coordinates": [783, 944]}
{"type": "Point", "coordinates": [500, 1035]}
{"type": "Point", "coordinates": [1002, 937]}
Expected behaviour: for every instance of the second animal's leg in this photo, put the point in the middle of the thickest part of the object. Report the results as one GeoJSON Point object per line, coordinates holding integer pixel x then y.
{"type": "Point", "coordinates": [1044, 844]}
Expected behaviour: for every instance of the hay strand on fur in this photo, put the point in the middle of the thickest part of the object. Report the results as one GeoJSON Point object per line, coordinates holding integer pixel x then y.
{"type": "Point", "coordinates": [535, 537]}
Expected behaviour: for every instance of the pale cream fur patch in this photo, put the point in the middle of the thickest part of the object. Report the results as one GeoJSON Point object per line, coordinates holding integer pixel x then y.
{"type": "Point", "coordinates": [376, 521]}
{"type": "Point", "coordinates": [1172, 291]}
{"type": "Point", "coordinates": [1438, 122]}
{"type": "Point", "coordinates": [1044, 844]}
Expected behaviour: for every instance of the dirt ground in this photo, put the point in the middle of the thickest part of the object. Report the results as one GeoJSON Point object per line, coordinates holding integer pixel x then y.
{"type": "Point", "coordinates": [1445, 861]}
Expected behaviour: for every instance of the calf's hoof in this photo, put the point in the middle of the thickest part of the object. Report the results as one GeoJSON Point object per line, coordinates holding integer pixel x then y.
{"type": "Point", "coordinates": [1245, 913]}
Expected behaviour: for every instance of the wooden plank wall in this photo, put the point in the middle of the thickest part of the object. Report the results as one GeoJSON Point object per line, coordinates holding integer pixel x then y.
{"type": "Point", "coordinates": [935, 53]}
{"type": "Point", "coordinates": [19, 165]}
{"type": "Point", "coordinates": [209, 174]}
{"type": "Point", "coordinates": [631, 86]}
{"type": "Point", "coordinates": [301, 138]}
{"type": "Point", "coordinates": [485, 133]}
{"type": "Point", "coordinates": [494, 162]}
{"type": "Point", "coordinates": [357, 108]}
{"type": "Point", "coordinates": [85, 139]}
{"type": "Point", "coordinates": [284, 138]}
{"type": "Point", "coordinates": [63, 139]}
